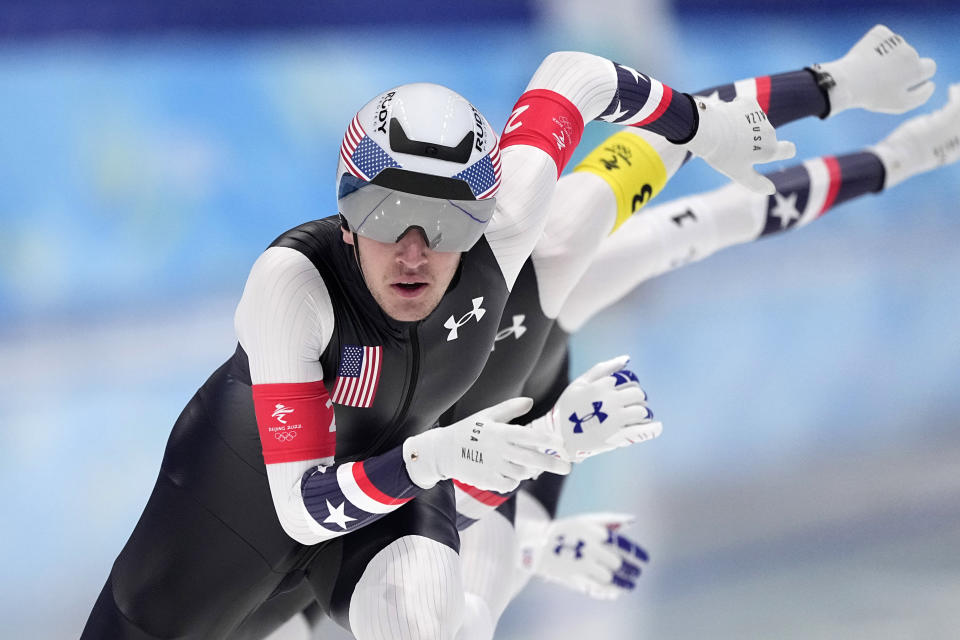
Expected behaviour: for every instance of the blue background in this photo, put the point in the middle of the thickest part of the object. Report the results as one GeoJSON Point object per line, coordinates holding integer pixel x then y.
{"type": "Point", "coordinates": [805, 484]}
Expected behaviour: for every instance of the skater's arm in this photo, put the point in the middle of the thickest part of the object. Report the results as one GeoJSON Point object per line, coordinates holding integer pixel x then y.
{"type": "Point", "coordinates": [570, 89]}
{"type": "Point", "coordinates": [882, 72]}
{"type": "Point", "coordinates": [284, 323]}
{"type": "Point", "coordinates": [628, 169]}
{"type": "Point", "coordinates": [689, 229]}
{"type": "Point", "coordinates": [567, 90]}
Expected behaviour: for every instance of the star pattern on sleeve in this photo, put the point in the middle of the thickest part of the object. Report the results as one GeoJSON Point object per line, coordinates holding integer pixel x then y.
{"type": "Point", "coordinates": [785, 209]}
{"type": "Point", "coordinates": [337, 515]}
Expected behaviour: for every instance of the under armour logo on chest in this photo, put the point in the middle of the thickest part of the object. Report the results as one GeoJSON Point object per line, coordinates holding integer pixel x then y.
{"type": "Point", "coordinates": [576, 548]}
{"type": "Point", "coordinates": [453, 323]}
{"type": "Point", "coordinates": [578, 421]}
{"type": "Point", "coordinates": [516, 330]}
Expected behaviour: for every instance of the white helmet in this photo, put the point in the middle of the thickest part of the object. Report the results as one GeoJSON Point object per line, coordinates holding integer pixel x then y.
{"type": "Point", "coordinates": [421, 156]}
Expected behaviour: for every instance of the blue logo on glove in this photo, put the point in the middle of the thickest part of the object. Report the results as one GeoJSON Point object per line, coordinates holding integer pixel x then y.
{"type": "Point", "coordinates": [578, 421]}
{"type": "Point", "coordinates": [624, 376]}
{"type": "Point", "coordinates": [577, 548]}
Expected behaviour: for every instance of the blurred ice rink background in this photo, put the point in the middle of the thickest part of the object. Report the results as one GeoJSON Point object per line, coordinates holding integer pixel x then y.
{"type": "Point", "coordinates": [807, 484]}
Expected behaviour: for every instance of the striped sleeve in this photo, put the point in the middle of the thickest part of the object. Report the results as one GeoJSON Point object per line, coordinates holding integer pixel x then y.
{"type": "Point", "coordinates": [784, 97]}
{"type": "Point", "coordinates": [807, 191]}
{"type": "Point", "coordinates": [474, 504]}
{"type": "Point", "coordinates": [347, 496]}
{"type": "Point", "coordinates": [643, 101]}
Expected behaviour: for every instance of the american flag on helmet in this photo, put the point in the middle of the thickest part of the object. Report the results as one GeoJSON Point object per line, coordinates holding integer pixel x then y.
{"type": "Point", "coordinates": [483, 176]}
{"type": "Point", "coordinates": [364, 157]}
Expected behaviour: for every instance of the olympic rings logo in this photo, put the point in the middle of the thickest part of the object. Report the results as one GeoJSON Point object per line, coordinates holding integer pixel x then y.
{"type": "Point", "coordinates": [285, 436]}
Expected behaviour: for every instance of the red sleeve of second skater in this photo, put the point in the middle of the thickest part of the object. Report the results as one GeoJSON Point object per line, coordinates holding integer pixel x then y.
{"type": "Point", "coordinates": [295, 421]}
{"type": "Point", "coordinates": [546, 120]}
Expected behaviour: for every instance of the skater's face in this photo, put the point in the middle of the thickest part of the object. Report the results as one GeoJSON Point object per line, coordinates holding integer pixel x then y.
{"type": "Point", "coordinates": [406, 278]}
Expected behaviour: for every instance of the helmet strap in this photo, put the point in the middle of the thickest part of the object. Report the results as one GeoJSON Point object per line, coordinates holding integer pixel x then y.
{"type": "Point", "coordinates": [356, 243]}
{"type": "Point", "coordinates": [356, 253]}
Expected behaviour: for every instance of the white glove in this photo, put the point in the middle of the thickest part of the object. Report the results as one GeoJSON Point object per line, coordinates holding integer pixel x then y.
{"type": "Point", "coordinates": [585, 553]}
{"type": "Point", "coordinates": [882, 72]}
{"type": "Point", "coordinates": [733, 136]}
{"type": "Point", "coordinates": [483, 450]}
{"type": "Point", "coordinates": [603, 409]}
{"type": "Point", "coordinates": [922, 143]}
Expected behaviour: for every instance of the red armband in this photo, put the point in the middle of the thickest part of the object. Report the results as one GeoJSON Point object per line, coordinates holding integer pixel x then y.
{"type": "Point", "coordinates": [548, 121]}
{"type": "Point", "coordinates": [295, 421]}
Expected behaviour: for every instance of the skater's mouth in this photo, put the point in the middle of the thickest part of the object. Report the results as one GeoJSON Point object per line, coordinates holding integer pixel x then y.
{"type": "Point", "coordinates": [409, 289]}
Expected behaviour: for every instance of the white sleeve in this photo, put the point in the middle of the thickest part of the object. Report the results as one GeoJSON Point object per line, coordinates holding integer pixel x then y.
{"type": "Point", "coordinates": [582, 214]}
{"type": "Point", "coordinates": [284, 322]}
{"type": "Point", "coordinates": [530, 174]}
{"type": "Point", "coordinates": [586, 80]}
{"type": "Point", "coordinates": [661, 239]}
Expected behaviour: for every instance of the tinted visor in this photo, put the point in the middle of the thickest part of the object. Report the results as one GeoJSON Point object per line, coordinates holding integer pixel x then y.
{"type": "Point", "coordinates": [385, 214]}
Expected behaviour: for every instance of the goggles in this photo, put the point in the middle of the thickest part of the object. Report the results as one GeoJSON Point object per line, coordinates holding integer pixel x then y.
{"type": "Point", "coordinates": [442, 208]}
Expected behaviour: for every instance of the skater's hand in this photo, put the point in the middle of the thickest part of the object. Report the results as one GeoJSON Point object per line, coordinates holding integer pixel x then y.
{"type": "Point", "coordinates": [587, 553]}
{"type": "Point", "coordinates": [922, 143]}
{"type": "Point", "coordinates": [483, 450]}
{"type": "Point", "coordinates": [881, 72]}
{"type": "Point", "coordinates": [603, 409]}
{"type": "Point", "coordinates": [733, 136]}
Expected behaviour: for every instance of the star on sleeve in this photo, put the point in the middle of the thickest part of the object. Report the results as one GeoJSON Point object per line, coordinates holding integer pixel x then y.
{"type": "Point", "coordinates": [785, 209]}
{"type": "Point", "coordinates": [616, 115]}
{"type": "Point", "coordinates": [337, 515]}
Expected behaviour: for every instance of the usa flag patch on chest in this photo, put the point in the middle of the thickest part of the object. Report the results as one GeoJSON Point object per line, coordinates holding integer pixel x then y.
{"type": "Point", "coordinates": [358, 376]}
